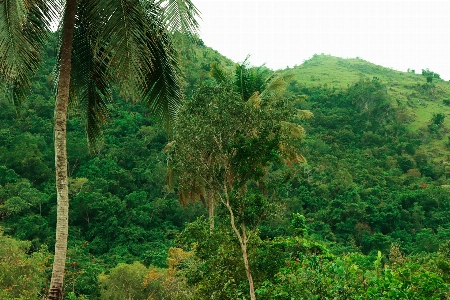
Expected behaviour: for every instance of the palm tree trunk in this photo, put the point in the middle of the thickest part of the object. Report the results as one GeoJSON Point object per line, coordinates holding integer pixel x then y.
{"type": "Point", "coordinates": [62, 190]}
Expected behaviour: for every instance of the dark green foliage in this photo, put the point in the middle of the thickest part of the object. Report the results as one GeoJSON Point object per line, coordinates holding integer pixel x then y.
{"type": "Point", "coordinates": [294, 267]}
{"type": "Point", "coordinates": [369, 183]}
{"type": "Point", "coordinates": [367, 180]}
{"type": "Point", "coordinates": [430, 75]}
{"type": "Point", "coordinates": [436, 122]}
{"type": "Point", "coordinates": [82, 271]}
{"type": "Point", "coordinates": [438, 119]}
{"type": "Point", "coordinates": [217, 260]}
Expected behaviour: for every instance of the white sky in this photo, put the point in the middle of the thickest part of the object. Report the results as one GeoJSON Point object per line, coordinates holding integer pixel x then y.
{"type": "Point", "coordinates": [281, 33]}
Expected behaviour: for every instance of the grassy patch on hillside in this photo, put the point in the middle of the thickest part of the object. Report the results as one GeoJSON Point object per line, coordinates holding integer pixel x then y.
{"type": "Point", "coordinates": [416, 99]}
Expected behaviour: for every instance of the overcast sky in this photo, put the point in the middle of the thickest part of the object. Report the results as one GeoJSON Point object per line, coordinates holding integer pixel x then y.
{"type": "Point", "coordinates": [281, 33]}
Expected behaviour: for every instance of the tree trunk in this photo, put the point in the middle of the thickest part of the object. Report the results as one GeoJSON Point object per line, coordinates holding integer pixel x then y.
{"type": "Point", "coordinates": [211, 203]}
{"type": "Point", "coordinates": [247, 271]}
{"type": "Point", "coordinates": [62, 190]}
{"type": "Point", "coordinates": [243, 239]}
{"type": "Point", "coordinates": [243, 243]}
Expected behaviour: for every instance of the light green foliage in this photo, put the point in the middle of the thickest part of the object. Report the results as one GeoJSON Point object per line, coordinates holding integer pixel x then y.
{"type": "Point", "coordinates": [22, 275]}
{"type": "Point", "coordinates": [351, 277]}
{"type": "Point", "coordinates": [124, 282]}
{"type": "Point", "coordinates": [443, 260]}
{"type": "Point", "coordinates": [299, 224]}
{"type": "Point", "coordinates": [135, 281]}
{"type": "Point", "coordinates": [417, 105]}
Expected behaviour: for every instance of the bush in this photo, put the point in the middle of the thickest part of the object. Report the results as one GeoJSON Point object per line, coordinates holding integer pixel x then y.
{"type": "Point", "coordinates": [124, 282]}
{"type": "Point", "coordinates": [21, 274]}
{"type": "Point", "coordinates": [430, 75]}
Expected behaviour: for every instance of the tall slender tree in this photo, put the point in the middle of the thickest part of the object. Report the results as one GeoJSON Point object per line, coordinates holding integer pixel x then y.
{"type": "Point", "coordinates": [225, 139]}
{"type": "Point", "coordinates": [103, 42]}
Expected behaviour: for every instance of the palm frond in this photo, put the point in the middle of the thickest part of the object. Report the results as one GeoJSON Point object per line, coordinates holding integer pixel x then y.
{"type": "Point", "coordinates": [276, 84]}
{"type": "Point", "coordinates": [293, 130]}
{"type": "Point", "coordinates": [121, 30]}
{"type": "Point", "coordinates": [179, 15]}
{"type": "Point", "coordinates": [254, 100]}
{"type": "Point", "coordinates": [249, 79]}
{"type": "Point", "coordinates": [164, 95]}
{"type": "Point", "coordinates": [24, 26]}
{"type": "Point", "coordinates": [302, 114]}
{"type": "Point", "coordinates": [137, 51]}
{"type": "Point", "coordinates": [89, 79]}
{"type": "Point", "coordinates": [219, 74]}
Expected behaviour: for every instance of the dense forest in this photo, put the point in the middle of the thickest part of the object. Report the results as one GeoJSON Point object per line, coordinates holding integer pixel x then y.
{"type": "Point", "coordinates": [329, 180]}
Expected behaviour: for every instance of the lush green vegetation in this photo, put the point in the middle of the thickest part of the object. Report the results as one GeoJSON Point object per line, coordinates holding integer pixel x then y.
{"type": "Point", "coordinates": [366, 217]}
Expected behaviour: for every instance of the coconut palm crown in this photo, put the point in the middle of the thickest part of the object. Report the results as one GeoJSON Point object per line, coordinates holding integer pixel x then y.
{"type": "Point", "coordinates": [122, 42]}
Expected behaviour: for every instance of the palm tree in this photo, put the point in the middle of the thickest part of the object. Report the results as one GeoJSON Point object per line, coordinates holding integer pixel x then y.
{"type": "Point", "coordinates": [126, 42]}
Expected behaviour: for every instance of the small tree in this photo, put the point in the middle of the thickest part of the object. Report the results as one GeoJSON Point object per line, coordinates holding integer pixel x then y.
{"type": "Point", "coordinates": [436, 122]}
{"type": "Point", "coordinates": [430, 75]}
{"type": "Point", "coordinates": [438, 119]}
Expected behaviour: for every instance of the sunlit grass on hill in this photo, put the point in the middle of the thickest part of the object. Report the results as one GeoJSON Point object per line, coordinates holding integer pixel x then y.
{"type": "Point", "coordinates": [416, 99]}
